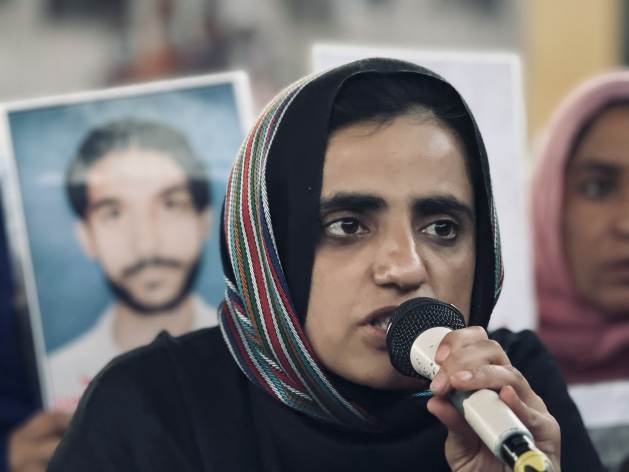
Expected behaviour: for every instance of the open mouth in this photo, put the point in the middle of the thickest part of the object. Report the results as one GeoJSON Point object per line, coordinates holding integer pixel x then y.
{"type": "Point", "coordinates": [381, 318]}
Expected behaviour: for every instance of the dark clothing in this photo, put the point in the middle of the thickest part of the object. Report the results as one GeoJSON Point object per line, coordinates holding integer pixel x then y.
{"type": "Point", "coordinates": [182, 404]}
{"type": "Point", "coordinates": [17, 398]}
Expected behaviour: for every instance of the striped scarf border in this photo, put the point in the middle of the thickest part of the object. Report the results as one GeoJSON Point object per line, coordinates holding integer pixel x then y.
{"type": "Point", "coordinates": [257, 318]}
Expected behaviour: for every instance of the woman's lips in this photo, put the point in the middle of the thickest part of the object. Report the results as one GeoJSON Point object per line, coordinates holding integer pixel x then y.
{"type": "Point", "coordinates": [375, 327]}
{"type": "Point", "coordinates": [380, 318]}
{"type": "Point", "coordinates": [618, 269]}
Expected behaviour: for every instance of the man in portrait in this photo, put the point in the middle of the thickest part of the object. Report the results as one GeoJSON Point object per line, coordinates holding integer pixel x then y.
{"type": "Point", "coordinates": [143, 206]}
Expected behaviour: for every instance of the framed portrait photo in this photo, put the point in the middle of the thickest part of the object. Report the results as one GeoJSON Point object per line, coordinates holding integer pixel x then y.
{"type": "Point", "coordinates": [113, 200]}
{"type": "Point", "coordinates": [491, 85]}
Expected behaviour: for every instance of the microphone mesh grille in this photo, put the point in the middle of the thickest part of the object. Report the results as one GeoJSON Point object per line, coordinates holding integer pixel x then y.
{"type": "Point", "coordinates": [412, 318]}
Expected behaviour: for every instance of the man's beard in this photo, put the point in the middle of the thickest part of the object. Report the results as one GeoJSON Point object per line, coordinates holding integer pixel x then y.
{"type": "Point", "coordinates": [125, 297]}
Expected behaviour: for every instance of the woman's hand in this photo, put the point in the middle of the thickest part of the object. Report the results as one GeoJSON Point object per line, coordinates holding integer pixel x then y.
{"type": "Point", "coordinates": [469, 360]}
{"type": "Point", "coordinates": [31, 444]}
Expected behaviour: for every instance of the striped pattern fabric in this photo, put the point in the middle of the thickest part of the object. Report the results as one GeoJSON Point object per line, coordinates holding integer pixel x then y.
{"type": "Point", "coordinates": [257, 317]}
{"type": "Point", "coordinates": [499, 274]}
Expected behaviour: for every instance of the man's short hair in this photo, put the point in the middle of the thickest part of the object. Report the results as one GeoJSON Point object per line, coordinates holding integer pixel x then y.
{"type": "Point", "coordinates": [148, 135]}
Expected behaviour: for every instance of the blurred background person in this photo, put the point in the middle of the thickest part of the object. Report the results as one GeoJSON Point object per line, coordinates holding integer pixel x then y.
{"type": "Point", "coordinates": [580, 207]}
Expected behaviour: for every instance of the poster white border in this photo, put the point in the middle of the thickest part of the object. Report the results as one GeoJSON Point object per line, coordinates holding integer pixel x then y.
{"type": "Point", "coordinates": [17, 235]}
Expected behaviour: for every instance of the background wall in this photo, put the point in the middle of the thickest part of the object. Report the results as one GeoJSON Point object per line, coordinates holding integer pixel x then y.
{"type": "Point", "coordinates": [53, 46]}
{"type": "Point", "coordinates": [565, 42]}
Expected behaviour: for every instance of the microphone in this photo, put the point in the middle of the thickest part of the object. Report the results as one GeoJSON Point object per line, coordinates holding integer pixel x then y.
{"type": "Point", "coordinates": [414, 333]}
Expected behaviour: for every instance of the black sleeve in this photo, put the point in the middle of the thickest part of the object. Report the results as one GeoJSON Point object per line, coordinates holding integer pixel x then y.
{"type": "Point", "coordinates": [130, 419]}
{"type": "Point", "coordinates": [529, 356]}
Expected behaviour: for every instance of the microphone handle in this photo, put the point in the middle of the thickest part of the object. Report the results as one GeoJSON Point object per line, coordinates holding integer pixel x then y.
{"type": "Point", "coordinates": [494, 422]}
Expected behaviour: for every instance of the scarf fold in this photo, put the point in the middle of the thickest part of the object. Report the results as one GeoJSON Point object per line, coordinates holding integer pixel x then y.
{"type": "Point", "coordinates": [588, 345]}
{"type": "Point", "coordinates": [260, 320]}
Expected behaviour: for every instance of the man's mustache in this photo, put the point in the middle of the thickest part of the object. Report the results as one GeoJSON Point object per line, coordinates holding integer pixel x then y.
{"type": "Point", "coordinates": [153, 262]}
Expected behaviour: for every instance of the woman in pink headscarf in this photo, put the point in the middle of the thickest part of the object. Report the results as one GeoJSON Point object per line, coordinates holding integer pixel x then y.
{"type": "Point", "coordinates": [580, 204]}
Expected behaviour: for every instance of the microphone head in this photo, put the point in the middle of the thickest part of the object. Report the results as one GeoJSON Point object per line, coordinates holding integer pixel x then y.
{"type": "Point", "coordinates": [409, 320]}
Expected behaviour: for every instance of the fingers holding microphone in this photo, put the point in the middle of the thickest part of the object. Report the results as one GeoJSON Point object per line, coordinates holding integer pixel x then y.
{"type": "Point", "coordinates": [460, 353]}
{"type": "Point", "coordinates": [469, 362]}
{"type": "Point", "coordinates": [542, 425]}
{"type": "Point", "coordinates": [484, 401]}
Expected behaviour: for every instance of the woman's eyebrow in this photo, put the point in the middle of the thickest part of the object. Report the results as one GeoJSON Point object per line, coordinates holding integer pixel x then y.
{"type": "Point", "coordinates": [358, 202]}
{"type": "Point", "coordinates": [439, 204]}
{"type": "Point", "coordinates": [596, 165]}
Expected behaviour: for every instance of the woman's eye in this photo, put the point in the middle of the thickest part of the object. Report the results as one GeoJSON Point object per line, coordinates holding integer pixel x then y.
{"type": "Point", "coordinates": [345, 227]}
{"type": "Point", "coordinates": [595, 188]}
{"type": "Point", "coordinates": [446, 230]}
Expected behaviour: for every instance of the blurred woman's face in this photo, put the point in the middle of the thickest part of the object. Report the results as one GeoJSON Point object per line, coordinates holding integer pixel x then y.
{"type": "Point", "coordinates": [596, 218]}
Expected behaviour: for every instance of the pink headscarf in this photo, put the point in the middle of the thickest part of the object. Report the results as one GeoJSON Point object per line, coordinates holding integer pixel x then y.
{"type": "Point", "coordinates": [588, 345]}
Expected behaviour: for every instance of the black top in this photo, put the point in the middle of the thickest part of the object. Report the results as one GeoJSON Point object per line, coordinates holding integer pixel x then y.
{"type": "Point", "coordinates": [18, 397]}
{"type": "Point", "coordinates": [182, 404]}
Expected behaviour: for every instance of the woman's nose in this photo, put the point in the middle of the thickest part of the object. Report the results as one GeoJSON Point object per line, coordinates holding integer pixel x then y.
{"type": "Point", "coordinates": [398, 263]}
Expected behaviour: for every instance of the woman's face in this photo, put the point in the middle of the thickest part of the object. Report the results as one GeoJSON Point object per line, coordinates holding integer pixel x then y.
{"type": "Point", "coordinates": [596, 217]}
{"type": "Point", "coordinates": [398, 222]}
